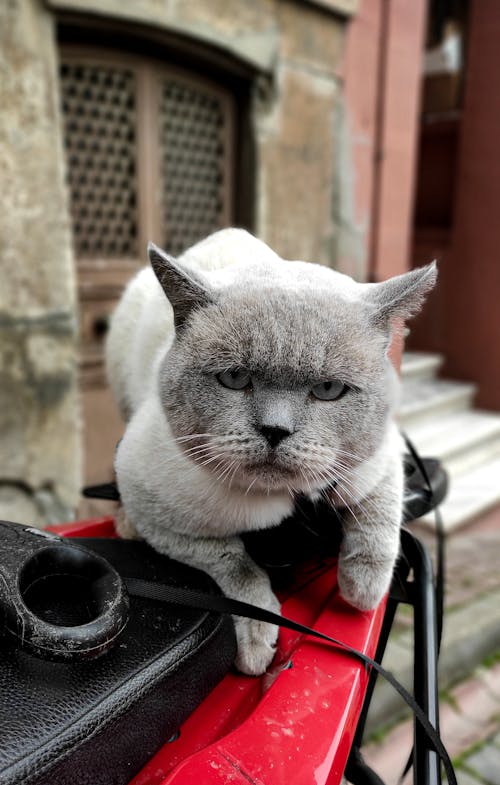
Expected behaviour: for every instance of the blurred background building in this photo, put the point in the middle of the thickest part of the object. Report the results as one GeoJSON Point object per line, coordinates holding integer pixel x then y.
{"type": "Point", "coordinates": [361, 134]}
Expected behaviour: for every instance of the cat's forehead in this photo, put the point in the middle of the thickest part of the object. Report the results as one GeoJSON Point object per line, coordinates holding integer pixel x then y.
{"type": "Point", "coordinates": [290, 299]}
{"type": "Point", "coordinates": [282, 330]}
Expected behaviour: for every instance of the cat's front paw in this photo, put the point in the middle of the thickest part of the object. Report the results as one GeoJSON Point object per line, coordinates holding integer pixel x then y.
{"type": "Point", "coordinates": [256, 641]}
{"type": "Point", "coordinates": [364, 585]}
{"type": "Point", "coordinates": [256, 646]}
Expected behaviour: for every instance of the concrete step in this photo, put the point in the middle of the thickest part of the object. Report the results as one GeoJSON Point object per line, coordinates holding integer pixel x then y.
{"type": "Point", "coordinates": [420, 365]}
{"type": "Point", "coordinates": [461, 440]}
{"type": "Point", "coordinates": [424, 400]}
{"type": "Point", "coordinates": [470, 495]}
{"type": "Point", "coordinates": [438, 418]}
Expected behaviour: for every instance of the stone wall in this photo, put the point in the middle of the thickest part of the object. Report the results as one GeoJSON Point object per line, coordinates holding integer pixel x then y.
{"type": "Point", "coordinates": [293, 49]}
{"type": "Point", "coordinates": [295, 135]}
{"type": "Point", "coordinates": [39, 431]}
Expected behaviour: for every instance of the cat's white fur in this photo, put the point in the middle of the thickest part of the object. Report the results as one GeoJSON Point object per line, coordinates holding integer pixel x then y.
{"type": "Point", "coordinates": [174, 502]}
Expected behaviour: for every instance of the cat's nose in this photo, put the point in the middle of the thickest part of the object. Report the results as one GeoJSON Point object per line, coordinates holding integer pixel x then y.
{"type": "Point", "coordinates": [274, 434]}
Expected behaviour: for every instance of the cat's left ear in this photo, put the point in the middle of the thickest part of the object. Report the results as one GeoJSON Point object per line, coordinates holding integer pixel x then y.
{"type": "Point", "coordinates": [402, 296]}
{"type": "Point", "coordinates": [184, 289]}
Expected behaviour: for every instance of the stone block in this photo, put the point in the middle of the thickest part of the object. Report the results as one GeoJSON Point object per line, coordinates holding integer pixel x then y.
{"type": "Point", "coordinates": [486, 763]}
{"type": "Point", "coordinates": [245, 30]}
{"type": "Point", "coordinates": [230, 17]}
{"type": "Point", "coordinates": [18, 505]}
{"type": "Point", "coordinates": [310, 37]}
{"type": "Point", "coordinates": [295, 171]}
{"type": "Point", "coordinates": [39, 418]}
{"type": "Point", "coordinates": [35, 250]}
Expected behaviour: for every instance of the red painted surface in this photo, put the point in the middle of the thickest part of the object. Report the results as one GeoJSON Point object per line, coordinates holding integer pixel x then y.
{"type": "Point", "coordinates": [293, 725]}
{"type": "Point", "coordinates": [94, 527]}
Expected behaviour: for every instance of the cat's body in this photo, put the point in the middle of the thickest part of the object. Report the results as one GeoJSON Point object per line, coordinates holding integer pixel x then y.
{"type": "Point", "coordinates": [266, 378]}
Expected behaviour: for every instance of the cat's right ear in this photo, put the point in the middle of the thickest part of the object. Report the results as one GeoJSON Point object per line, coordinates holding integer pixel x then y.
{"type": "Point", "coordinates": [184, 289]}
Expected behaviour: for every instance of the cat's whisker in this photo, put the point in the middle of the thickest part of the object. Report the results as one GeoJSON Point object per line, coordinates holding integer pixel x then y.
{"type": "Point", "coordinates": [339, 472]}
{"type": "Point", "coordinates": [345, 503]}
{"type": "Point", "coordinates": [334, 484]}
{"type": "Point", "coordinates": [206, 461]}
{"type": "Point", "coordinates": [215, 470]}
{"type": "Point", "coordinates": [343, 473]}
{"type": "Point", "coordinates": [316, 474]}
{"type": "Point", "coordinates": [191, 452]}
{"type": "Point", "coordinates": [250, 486]}
{"type": "Point", "coordinates": [237, 466]}
{"type": "Point", "coordinates": [327, 447]}
{"type": "Point", "coordinates": [349, 454]}
{"type": "Point", "coordinates": [226, 472]}
{"type": "Point", "coordinates": [205, 448]}
{"type": "Point", "coordinates": [306, 479]}
{"type": "Point", "coordinates": [336, 466]}
{"type": "Point", "coordinates": [362, 489]}
{"type": "Point", "coordinates": [327, 481]}
{"type": "Point", "coordinates": [362, 503]}
{"type": "Point", "coordinates": [290, 491]}
{"type": "Point", "coordinates": [166, 463]}
{"type": "Point", "coordinates": [208, 434]}
{"type": "Point", "coordinates": [219, 476]}
{"type": "Point", "coordinates": [193, 436]}
{"type": "Point", "coordinates": [226, 437]}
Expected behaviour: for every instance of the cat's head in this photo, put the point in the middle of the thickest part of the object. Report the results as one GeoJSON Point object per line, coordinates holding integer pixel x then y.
{"type": "Point", "coordinates": [278, 376]}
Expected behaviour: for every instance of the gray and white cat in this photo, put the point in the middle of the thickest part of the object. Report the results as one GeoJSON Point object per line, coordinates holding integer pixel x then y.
{"type": "Point", "coordinates": [252, 380]}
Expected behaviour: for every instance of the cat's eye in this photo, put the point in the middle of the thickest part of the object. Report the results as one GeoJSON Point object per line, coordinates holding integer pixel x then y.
{"type": "Point", "coordinates": [329, 391]}
{"type": "Point", "coordinates": [234, 379]}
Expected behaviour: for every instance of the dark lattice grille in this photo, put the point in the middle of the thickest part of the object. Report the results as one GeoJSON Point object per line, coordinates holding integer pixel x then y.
{"type": "Point", "coordinates": [99, 114]}
{"type": "Point", "coordinates": [194, 163]}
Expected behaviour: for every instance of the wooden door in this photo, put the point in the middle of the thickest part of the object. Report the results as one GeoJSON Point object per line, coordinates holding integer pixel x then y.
{"type": "Point", "coordinates": [149, 156]}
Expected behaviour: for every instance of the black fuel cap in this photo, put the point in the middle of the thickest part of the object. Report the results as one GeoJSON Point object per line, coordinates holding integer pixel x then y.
{"type": "Point", "coordinates": [59, 600]}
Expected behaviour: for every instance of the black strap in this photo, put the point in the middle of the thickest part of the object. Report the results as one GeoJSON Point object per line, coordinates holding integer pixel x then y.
{"type": "Point", "coordinates": [106, 490]}
{"type": "Point", "coordinates": [220, 604]}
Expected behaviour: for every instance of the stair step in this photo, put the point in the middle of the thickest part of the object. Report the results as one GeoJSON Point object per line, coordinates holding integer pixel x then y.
{"type": "Point", "coordinates": [426, 399]}
{"type": "Point", "coordinates": [461, 440]}
{"type": "Point", "coordinates": [420, 365]}
{"type": "Point", "coordinates": [470, 495]}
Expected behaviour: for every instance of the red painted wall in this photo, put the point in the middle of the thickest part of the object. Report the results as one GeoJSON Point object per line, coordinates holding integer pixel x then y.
{"type": "Point", "coordinates": [473, 272]}
{"type": "Point", "coordinates": [462, 319]}
{"type": "Point", "coordinates": [360, 94]}
{"type": "Point", "coordinates": [401, 101]}
{"type": "Point", "coordinates": [382, 71]}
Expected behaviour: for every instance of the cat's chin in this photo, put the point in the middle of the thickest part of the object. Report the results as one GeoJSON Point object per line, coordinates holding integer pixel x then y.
{"type": "Point", "coordinates": [267, 478]}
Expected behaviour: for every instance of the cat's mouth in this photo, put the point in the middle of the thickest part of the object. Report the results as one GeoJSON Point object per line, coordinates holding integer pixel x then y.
{"type": "Point", "coordinates": [272, 472]}
{"type": "Point", "coordinates": [271, 467]}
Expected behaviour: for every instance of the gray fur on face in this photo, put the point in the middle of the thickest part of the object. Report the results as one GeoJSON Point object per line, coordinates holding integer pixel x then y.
{"type": "Point", "coordinates": [288, 341]}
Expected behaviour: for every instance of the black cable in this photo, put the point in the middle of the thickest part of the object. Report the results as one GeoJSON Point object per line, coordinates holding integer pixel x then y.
{"type": "Point", "coordinates": [440, 540]}
{"type": "Point", "coordinates": [439, 587]}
